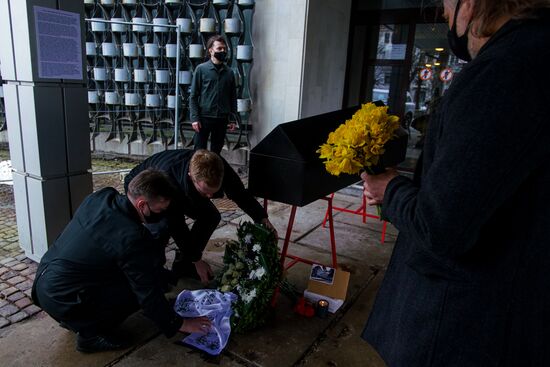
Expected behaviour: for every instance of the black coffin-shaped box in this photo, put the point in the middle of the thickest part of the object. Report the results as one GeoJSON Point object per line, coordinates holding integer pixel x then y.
{"type": "Point", "coordinates": [285, 167]}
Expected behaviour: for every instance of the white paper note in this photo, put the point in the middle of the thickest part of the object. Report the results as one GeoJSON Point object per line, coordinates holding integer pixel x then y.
{"type": "Point", "coordinates": [58, 43]}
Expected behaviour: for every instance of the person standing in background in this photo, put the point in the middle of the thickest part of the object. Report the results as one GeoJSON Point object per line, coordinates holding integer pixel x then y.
{"type": "Point", "coordinates": [213, 97]}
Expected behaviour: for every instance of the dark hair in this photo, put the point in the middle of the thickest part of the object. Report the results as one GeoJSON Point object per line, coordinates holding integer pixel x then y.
{"type": "Point", "coordinates": [152, 184]}
{"type": "Point", "coordinates": [207, 167]}
{"type": "Point", "coordinates": [213, 39]}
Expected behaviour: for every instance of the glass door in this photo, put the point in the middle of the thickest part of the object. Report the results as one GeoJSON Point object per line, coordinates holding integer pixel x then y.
{"type": "Point", "coordinates": [401, 57]}
{"type": "Point", "coordinates": [381, 51]}
{"type": "Point", "coordinates": [432, 71]}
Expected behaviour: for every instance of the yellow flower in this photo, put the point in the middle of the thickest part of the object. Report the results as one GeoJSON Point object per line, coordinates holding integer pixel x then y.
{"type": "Point", "coordinates": [325, 151]}
{"type": "Point", "coordinates": [358, 142]}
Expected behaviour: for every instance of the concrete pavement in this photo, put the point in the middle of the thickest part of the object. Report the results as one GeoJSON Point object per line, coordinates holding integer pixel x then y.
{"type": "Point", "coordinates": [288, 340]}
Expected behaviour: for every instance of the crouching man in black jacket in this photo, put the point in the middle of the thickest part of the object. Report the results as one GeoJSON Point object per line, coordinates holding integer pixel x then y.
{"type": "Point", "coordinates": [199, 176]}
{"type": "Point", "coordinates": [106, 265]}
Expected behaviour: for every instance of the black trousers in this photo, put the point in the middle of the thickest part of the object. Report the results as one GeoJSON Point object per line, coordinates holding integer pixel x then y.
{"type": "Point", "coordinates": [193, 240]}
{"type": "Point", "coordinates": [215, 128]}
{"type": "Point", "coordinates": [91, 311]}
{"type": "Point", "coordinates": [190, 241]}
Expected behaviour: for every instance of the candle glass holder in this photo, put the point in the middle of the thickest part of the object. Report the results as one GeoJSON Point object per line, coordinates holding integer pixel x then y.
{"type": "Point", "coordinates": [322, 308]}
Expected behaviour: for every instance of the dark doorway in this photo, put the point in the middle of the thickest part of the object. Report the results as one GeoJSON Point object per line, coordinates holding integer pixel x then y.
{"type": "Point", "coordinates": [398, 53]}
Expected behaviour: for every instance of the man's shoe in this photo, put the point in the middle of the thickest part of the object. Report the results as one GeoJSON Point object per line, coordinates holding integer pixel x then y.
{"type": "Point", "coordinates": [97, 344]}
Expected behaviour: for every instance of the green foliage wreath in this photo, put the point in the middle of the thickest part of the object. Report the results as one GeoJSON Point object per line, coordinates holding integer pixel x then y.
{"type": "Point", "coordinates": [252, 271]}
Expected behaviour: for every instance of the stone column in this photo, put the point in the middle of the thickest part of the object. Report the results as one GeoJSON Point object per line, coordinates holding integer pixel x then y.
{"type": "Point", "coordinates": [300, 66]}
{"type": "Point", "coordinates": [43, 68]}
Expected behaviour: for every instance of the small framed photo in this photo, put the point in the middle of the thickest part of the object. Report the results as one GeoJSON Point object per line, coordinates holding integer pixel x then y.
{"type": "Point", "coordinates": [321, 273]}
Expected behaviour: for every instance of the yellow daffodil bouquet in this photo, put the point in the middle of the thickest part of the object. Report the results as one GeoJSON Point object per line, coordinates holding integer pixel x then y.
{"type": "Point", "coordinates": [359, 143]}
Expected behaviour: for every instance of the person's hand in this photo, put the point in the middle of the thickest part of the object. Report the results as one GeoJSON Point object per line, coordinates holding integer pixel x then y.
{"type": "Point", "coordinates": [196, 325]}
{"type": "Point", "coordinates": [204, 270]}
{"type": "Point", "coordinates": [375, 185]}
{"type": "Point", "coordinates": [270, 226]}
{"type": "Point", "coordinates": [231, 126]}
{"type": "Point", "coordinates": [196, 126]}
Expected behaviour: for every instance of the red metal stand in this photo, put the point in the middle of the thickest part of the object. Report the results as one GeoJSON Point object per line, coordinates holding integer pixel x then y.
{"type": "Point", "coordinates": [295, 259]}
{"type": "Point", "coordinates": [362, 211]}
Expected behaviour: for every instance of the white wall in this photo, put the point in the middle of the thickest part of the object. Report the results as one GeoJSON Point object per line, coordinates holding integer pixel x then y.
{"type": "Point", "coordinates": [276, 76]}
{"type": "Point", "coordinates": [326, 47]}
{"type": "Point", "coordinates": [299, 62]}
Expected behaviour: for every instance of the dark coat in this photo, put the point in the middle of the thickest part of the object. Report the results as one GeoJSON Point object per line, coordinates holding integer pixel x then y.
{"type": "Point", "coordinates": [190, 203]}
{"type": "Point", "coordinates": [468, 283]}
{"type": "Point", "coordinates": [105, 244]}
{"type": "Point", "coordinates": [213, 92]}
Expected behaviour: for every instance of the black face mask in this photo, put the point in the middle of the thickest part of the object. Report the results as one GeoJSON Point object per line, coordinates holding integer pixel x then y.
{"type": "Point", "coordinates": [220, 56]}
{"type": "Point", "coordinates": [459, 45]}
{"type": "Point", "coordinates": [153, 217]}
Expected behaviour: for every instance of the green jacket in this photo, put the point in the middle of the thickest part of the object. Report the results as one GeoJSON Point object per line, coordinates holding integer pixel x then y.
{"type": "Point", "coordinates": [213, 92]}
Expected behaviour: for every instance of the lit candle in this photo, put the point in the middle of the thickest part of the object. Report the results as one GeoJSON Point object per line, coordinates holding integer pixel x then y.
{"type": "Point", "coordinates": [322, 308]}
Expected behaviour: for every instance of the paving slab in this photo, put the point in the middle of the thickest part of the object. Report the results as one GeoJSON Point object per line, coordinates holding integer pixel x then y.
{"type": "Point", "coordinates": [358, 243]}
{"type": "Point", "coordinates": [341, 344]}
{"type": "Point", "coordinates": [372, 224]}
{"type": "Point", "coordinates": [273, 209]}
{"type": "Point", "coordinates": [40, 341]}
{"type": "Point", "coordinates": [282, 342]}
{"type": "Point", "coordinates": [356, 247]}
{"type": "Point", "coordinates": [215, 248]}
{"type": "Point", "coordinates": [162, 352]}
{"type": "Point", "coordinates": [340, 197]}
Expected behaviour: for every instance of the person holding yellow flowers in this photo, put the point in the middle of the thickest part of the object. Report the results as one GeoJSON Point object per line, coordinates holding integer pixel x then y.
{"type": "Point", "coordinates": [468, 281]}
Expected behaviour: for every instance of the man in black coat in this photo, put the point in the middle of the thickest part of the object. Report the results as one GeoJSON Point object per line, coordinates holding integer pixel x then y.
{"type": "Point", "coordinates": [468, 282]}
{"type": "Point", "coordinates": [106, 265]}
{"type": "Point", "coordinates": [199, 176]}
{"type": "Point", "coordinates": [213, 97]}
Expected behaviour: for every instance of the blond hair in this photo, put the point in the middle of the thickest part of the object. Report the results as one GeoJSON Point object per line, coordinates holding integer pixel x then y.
{"type": "Point", "coordinates": [207, 167]}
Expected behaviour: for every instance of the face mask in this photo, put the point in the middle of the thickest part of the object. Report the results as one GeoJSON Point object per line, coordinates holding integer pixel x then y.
{"type": "Point", "coordinates": [220, 56]}
{"type": "Point", "coordinates": [459, 45]}
{"type": "Point", "coordinates": [153, 217]}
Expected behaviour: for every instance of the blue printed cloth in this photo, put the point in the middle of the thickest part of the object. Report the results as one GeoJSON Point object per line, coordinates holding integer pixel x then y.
{"type": "Point", "coordinates": [217, 307]}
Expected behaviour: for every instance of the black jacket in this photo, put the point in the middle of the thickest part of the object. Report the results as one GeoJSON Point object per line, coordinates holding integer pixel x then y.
{"type": "Point", "coordinates": [213, 92]}
{"type": "Point", "coordinates": [468, 282]}
{"type": "Point", "coordinates": [189, 202]}
{"type": "Point", "coordinates": [106, 241]}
